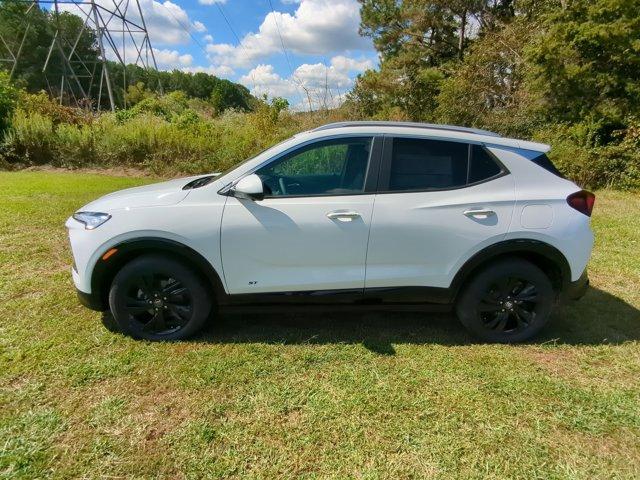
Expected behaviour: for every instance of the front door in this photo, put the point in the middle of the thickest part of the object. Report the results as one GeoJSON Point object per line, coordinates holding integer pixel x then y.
{"type": "Point", "coordinates": [310, 232]}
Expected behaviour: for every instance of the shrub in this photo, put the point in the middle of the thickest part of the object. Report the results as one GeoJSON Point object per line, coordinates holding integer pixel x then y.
{"type": "Point", "coordinates": [8, 100]}
{"type": "Point", "coordinates": [30, 140]}
{"type": "Point", "coordinates": [579, 153]}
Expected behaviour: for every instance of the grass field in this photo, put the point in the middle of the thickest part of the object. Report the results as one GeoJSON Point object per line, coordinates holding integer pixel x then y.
{"type": "Point", "coordinates": [315, 396]}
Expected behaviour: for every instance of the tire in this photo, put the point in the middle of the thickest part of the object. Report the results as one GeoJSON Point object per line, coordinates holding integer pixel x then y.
{"type": "Point", "coordinates": [160, 299]}
{"type": "Point", "coordinates": [507, 302]}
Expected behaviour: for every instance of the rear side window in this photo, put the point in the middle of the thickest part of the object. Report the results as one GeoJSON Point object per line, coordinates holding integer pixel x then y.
{"type": "Point", "coordinates": [419, 164]}
{"type": "Point", "coordinates": [427, 164]}
{"type": "Point", "coordinates": [482, 165]}
{"type": "Point", "coordinates": [544, 162]}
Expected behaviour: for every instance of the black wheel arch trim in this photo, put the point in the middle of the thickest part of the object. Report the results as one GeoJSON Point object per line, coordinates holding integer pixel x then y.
{"type": "Point", "coordinates": [105, 270]}
{"type": "Point", "coordinates": [538, 252]}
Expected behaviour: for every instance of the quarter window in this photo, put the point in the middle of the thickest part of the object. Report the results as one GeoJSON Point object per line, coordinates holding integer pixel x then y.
{"type": "Point", "coordinates": [332, 167]}
{"type": "Point", "coordinates": [482, 165]}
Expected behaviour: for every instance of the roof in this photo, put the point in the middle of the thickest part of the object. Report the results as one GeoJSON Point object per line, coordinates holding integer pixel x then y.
{"type": "Point", "coordinates": [436, 131]}
{"type": "Point", "coordinates": [431, 126]}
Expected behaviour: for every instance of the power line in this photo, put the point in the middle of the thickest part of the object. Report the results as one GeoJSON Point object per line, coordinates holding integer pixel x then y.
{"type": "Point", "coordinates": [229, 25]}
{"type": "Point", "coordinates": [204, 50]}
{"type": "Point", "coordinates": [253, 78]}
{"type": "Point", "coordinates": [188, 30]}
{"type": "Point", "coordinates": [286, 56]}
{"type": "Point", "coordinates": [284, 48]}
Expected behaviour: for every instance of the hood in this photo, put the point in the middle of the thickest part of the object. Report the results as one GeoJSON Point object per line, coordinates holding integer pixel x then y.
{"type": "Point", "coordinates": [154, 195]}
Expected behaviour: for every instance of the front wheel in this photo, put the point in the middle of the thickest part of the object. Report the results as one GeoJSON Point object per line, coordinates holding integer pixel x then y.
{"type": "Point", "coordinates": [158, 298]}
{"type": "Point", "coordinates": [509, 301]}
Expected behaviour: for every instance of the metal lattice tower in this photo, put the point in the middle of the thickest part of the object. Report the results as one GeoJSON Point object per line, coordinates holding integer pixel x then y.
{"type": "Point", "coordinates": [121, 36]}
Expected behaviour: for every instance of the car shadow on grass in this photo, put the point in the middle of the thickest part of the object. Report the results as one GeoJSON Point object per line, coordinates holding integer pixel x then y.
{"type": "Point", "coordinates": [598, 318]}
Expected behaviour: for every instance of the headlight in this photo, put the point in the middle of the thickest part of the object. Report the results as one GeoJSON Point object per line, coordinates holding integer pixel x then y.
{"type": "Point", "coordinates": [91, 220]}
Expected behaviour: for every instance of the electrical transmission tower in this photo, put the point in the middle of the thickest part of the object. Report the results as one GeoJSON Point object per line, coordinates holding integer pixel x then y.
{"type": "Point", "coordinates": [119, 33]}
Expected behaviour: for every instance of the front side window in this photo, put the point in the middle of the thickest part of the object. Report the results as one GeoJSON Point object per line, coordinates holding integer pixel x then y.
{"type": "Point", "coordinates": [330, 167]}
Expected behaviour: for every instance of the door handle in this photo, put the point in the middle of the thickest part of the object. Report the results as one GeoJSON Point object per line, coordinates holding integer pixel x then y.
{"type": "Point", "coordinates": [479, 213]}
{"type": "Point", "coordinates": [343, 216]}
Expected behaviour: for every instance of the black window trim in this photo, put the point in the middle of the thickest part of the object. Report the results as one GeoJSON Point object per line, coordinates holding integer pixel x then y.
{"type": "Point", "coordinates": [549, 167]}
{"type": "Point", "coordinates": [371, 176]}
{"type": "Point", "coordinates": [387, 157]}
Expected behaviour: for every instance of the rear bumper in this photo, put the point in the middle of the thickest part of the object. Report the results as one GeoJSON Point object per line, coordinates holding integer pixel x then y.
{"type": "Point", "coordinates": [94, 302]}
{"type": "Point", "coordinates": [576, 290]}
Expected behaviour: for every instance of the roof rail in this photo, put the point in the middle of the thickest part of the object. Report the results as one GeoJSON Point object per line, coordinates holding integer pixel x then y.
{"type": "Point", "coordinates": [431, 126]}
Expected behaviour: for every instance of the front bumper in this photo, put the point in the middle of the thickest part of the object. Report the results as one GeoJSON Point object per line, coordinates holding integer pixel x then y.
{"type": "Point", "coordinates": [92, 301]}
{"type": "Point", "coordinates": [576, 290]}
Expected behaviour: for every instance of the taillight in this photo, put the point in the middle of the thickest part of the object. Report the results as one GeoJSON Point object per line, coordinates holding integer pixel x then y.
{"type": "Point", "coordinates": [582, 201]}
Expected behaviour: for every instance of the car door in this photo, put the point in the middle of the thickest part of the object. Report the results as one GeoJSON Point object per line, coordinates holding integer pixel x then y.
{"type": "Point", "coordinates": [310, 231]}
{"type": "Point", "coordinates": [439, 202]}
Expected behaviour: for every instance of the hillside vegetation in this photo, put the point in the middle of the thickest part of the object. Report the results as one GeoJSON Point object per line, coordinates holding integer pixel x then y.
{"type": "Point", "coordinates": [169, 134]}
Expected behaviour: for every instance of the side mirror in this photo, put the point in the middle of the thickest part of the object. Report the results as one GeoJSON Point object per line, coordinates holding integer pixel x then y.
{"type": "Point", "coordinates": [249, 187]}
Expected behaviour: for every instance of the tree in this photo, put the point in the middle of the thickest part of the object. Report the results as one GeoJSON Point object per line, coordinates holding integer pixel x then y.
{"type": "Point", "coordinates": [487, 89]}
{"type": "Point", "coordinates": [227, 94]}
{"type": "Point", "coordinates": [8, 101]}
{"type": "Point", "coordinates": [37, 41]}
{"type": "Point", "coordinates": [586, 63]}
{"type": "Point", "coordinates": [418, 42]}
{"type": "Point", "coordinates": [136, 92]}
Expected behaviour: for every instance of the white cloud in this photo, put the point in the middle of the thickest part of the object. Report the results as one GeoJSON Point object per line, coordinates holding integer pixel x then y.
{"type": "Point", "coordinates": [208, 38]}
{"type": "Point", "coordinates": [317, 27]}
{"type": "Point", "coordinates": [264, 80]}
{"type": "Point", "coordinates": [346, 64]}
{"type": "Point", "coordinates": [322, 85]}
{"type": "Point", "coordinates": [211, 2]}
{"type": "Point", "coordinates": [222, 71]}
{"type": "Point", "coordinates": [199, 26]}
{"type": "Point", "coordinates": [170, 59]}
{"type": "Point", "coordinates": [167, 22]}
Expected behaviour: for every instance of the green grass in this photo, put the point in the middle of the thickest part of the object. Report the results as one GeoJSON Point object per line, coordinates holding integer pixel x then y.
{"type": "Point", "coordinates": [315, 396]}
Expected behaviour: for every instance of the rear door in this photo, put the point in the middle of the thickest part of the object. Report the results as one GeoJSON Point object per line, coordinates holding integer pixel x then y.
{"type": "Point", "coordinates": [310, 232]}
{"type": "Point", "coordinates": [439, 203]}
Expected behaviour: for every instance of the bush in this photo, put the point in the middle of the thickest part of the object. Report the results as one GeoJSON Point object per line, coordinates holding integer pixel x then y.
{"type": "Point", "coordinates": [163, 134]}
{"type": "Point", "coordinates": [580, 155]}
{"type": "Point", "coordinates": [8, 100]}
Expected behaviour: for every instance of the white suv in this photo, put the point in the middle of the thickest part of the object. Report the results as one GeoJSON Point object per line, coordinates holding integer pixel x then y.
{"type": "Point", "coordinates": [374, 214]}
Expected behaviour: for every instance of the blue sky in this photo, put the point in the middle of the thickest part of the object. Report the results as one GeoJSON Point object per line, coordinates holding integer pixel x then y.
{"type": "Point", "coordinates": [324, 52]}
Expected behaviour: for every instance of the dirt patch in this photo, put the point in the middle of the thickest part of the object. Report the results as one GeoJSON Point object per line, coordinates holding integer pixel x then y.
{"type": "Point", "coordinates": [111, 171]}
{"type": "Point", "coordinates": [558, 362]}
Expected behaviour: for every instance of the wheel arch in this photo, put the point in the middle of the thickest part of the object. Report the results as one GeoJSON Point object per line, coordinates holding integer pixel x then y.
{"type": "Point", "coordinates": [546, 257]}
{"type": "Point", "coordinates": [106, 269]}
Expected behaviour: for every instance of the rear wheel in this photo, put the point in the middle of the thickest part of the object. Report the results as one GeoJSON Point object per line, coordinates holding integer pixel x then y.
{"type": "Point", "coordinates": [509, 301]}
{"type": "Point", "coordinates": [158, 298]}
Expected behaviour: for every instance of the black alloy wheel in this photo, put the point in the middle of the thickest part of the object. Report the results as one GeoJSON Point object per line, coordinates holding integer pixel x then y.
{"type": "Point", "coordinates": [509, 305]}
{"type": "Point", "coordinates": [508, 301]}
{"type": "Point", "coordinates": [158, 304]}
{"type": "Point", "coordinates": [159, 298]}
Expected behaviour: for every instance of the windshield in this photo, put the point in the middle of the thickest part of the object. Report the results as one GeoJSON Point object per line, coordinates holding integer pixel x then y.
{"type": "Point", "coordinates": [237, 165]}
